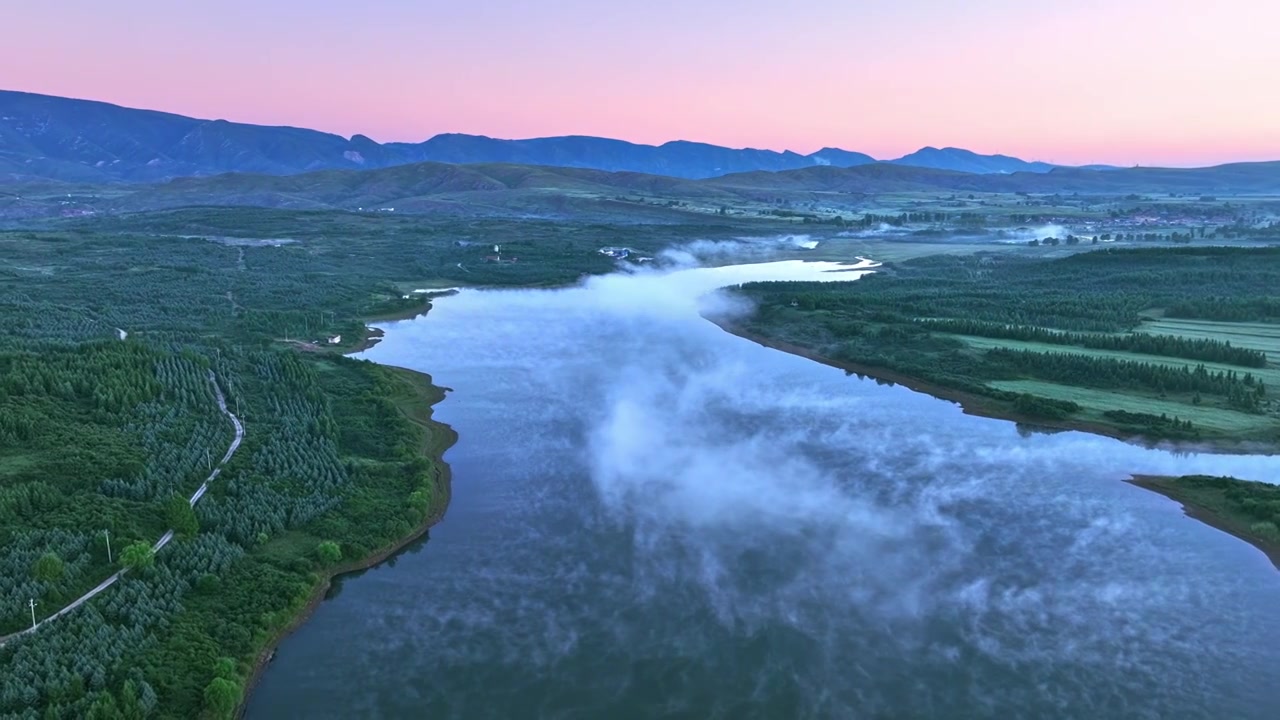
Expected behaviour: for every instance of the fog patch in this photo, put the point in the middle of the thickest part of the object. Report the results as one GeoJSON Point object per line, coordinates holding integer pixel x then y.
{"type": "Point", "coordinates": [746, 515]}
{"type": "Point", "coordinates": [881, 230]}
{"type": "Point", "coordinates": [741, 249]}
{"type": "Point", "coordinates": [1022, 235]}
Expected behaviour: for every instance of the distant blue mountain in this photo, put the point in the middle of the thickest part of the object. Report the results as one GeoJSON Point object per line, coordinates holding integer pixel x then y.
{"type": "Point", "coordinates": [677, 159]}
{"type": "Point", "coordinates": [961, 160]}
{"type": "Point", "coordinates": [47, 137]}
{"type": "Point", "coordinates": [840, 158]}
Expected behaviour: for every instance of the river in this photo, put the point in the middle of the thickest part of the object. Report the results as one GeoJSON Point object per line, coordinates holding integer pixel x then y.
{"type": "Point", "coordinates": [653, 518]}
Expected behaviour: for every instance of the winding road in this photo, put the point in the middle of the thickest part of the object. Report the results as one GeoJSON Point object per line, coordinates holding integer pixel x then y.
{"type": "Point", "coordinates": [164, 539]}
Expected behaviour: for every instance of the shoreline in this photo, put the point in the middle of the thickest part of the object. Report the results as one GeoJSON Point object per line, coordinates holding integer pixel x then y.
{"type": "Point", "coordinates": [1159, 484]}
{"type": "Point", "coordinates": [967, 401]}
{"type": "Point", "coordinates": [373, 335]}
{"type": "Point", "coordinates": [440, 437]}
{"type": "Point", "coordinates": [979, 406]}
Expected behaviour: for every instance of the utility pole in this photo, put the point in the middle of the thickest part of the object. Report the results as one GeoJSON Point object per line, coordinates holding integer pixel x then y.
{"type": "Point", "coordinates": [208, 463]}
{"type": "Point", "coordinates": [33, 613]}
{"type": "Point", "coordinates": [107, 533]}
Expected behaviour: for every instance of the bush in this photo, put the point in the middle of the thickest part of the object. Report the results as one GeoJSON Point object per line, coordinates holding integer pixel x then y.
{"type": "Point", "coordinates": [1043, 407]}
{"type": "Point", "coordinates": [181, 516]}
{"type": "Point", "coordinates": [420, 500]}
{"type": "Point", "coordinates": [1265, 530]}
{"type": "Point", "coordinates": [328, 552]}
{"type": "Point", "coordinates": [138, 556]}
{"type": "Point", "coordinates": [49, 568]}
{"type": "Point", "coordinates": [221, 697]}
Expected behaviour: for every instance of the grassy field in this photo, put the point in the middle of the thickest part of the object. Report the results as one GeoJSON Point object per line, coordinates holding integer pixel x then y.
{"type": "Point", "coordinates": [1218, 420]}
{"type": "Point", "coordinates": [1226, 421]}
{"type": "Point", "coordinates": [1258, 336]}
{"type": "Point", "coordinates": [899, 250]}
{"type": "Point", "coordinates": [1211, 415]}
{"type": "Point", "coordinates": [1270, 374]}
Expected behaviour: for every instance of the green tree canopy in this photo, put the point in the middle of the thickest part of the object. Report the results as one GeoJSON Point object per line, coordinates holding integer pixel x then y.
{"type": "Point", "coordinates": [225, 668]}
{"type": "Point", "coordinates": [181, 516]}
{"type": "Point", "coordinates": [420, 500]}
{"type": "Point", "coordinates": [329, 552]}
{"type": "Point", "coordinates": [49, 568]}
{"type": "Point", "coordinates": [131, 705]}
{"type": "Point", "coordinates": [221, 697]}
{"type": "Point", "coordinates": [137, 556]}
{"type": "Point", "coordinates": [104, 708]}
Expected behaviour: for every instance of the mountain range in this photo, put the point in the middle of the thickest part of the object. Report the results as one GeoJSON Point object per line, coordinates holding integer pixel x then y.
{"type": "Point", "coordinates": [44, 137]}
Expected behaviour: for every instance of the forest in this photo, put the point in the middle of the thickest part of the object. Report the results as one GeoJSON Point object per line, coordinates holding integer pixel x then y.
{"type": "Point", "coordinates": [110, 331]}
{"type": "Point", "coordinates": [1014, 334]}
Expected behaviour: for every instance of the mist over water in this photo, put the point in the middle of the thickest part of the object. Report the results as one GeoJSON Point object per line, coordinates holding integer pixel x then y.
{"type": "Point", "coordinates": [653, 518]}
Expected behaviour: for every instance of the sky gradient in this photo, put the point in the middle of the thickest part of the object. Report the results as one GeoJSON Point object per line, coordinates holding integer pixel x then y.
{"type": "Point", "coordinates": [1151, 82]}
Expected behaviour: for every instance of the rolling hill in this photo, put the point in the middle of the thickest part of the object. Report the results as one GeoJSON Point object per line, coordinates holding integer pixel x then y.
{"type": "Point", "coordinates": [542, 191]}
{"type": "Point", "coordinates": [1261, 178]}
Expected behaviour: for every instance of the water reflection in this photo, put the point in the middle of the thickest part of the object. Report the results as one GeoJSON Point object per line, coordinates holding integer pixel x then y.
{"type": "Point", "coordinates": [653, 518]}
{"type": "Point", "coordinates": [412, 548]}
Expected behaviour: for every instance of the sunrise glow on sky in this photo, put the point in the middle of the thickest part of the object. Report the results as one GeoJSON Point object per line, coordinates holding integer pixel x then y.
{"type": "Point", "coordinates": [1166, 82]}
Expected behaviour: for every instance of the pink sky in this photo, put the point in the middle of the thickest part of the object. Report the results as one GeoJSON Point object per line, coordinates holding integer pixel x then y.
{"type": "Point", "coordinates": [1168, 82]}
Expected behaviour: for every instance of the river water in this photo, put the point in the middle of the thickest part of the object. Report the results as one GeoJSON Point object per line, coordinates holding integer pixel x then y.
{"type": "Point", "coordinates": [652, 518]}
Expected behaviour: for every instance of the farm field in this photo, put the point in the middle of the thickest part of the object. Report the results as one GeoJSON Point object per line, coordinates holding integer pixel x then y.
{"type": "Point", "coordinates": [1064, 337]}
{"type": "Point", "coordinates": [1257, 336]}
{"type": "Point", "coordinates": [1094, 402]}
{"type": "Point", "coordinates": [1269, 375]}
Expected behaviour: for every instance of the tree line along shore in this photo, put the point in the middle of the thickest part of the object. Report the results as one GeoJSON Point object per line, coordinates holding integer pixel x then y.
{"type": "Point", "coordinates": [1177, 344]}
